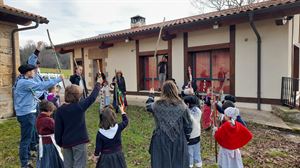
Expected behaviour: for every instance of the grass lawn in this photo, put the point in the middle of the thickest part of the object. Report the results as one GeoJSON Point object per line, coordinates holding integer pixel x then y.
{"type": "Point", "coordinates": [67, 72]}
{"type": "Point", "coordinates": [269, 148]}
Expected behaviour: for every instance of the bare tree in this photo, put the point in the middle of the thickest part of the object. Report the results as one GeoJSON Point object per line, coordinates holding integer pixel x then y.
{"type": "Point", "coordinates": [46, 57]}
{"type": "Point", "coordinates": [218, 5]}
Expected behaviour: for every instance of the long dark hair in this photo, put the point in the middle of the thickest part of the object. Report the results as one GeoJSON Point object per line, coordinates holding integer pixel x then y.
{"type": "Point", "coordinates": [108, 118]}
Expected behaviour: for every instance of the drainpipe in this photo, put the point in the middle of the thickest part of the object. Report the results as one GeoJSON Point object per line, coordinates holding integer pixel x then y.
{"type": "Point", "coordinates": [14, 73]}
{"type": "Point", "coordinates": [258, 61]}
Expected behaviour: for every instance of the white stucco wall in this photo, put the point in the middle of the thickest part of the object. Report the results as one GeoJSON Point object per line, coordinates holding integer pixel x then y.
{"type": "Point", "coordinates": [122, 56]}
{"type": "Point", "coordinates": [275, 59]}
{"type": "Point", "coordinates": [208, 37]}
{"type": "Point", "coordinates": [149, 44]}
{"type": "Point", "coordinates": [178, 60]}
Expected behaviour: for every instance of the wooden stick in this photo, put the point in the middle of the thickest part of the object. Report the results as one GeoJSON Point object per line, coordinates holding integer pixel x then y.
{"type": "Point", "coordinates": [156, 47]}
{"type": "Point", "coordinates": [213, 110]}
{"type": "Point", "coordinates": [56, 56]}
{"type": "Point", "coordinates": [76, 65]}
{"type": "Point", "coordinates": [98, 64]}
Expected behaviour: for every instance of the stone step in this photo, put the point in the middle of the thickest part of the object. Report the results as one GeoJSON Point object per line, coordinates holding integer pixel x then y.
{"type": "Point", "coordinates": [287, 114]}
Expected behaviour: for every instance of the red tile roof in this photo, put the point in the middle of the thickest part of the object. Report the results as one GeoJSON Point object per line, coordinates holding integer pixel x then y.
{"type": "Point", "coordinates": [186, 20]}
{"type": "Point", "coordinates": [21, 13]}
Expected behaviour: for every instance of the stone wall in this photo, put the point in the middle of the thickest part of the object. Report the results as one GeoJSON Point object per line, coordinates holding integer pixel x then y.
{"type": "Point", "coordinates": [6, 103]}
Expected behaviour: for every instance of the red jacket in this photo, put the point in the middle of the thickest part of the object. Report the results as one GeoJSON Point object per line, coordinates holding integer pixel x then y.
{"type": "Point", "coordinates": [45, 126]}
{"type": "Point", "coordinates": [233, 137]}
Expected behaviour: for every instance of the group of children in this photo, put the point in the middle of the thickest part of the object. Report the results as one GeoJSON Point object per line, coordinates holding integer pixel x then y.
{"type": "Point", "coordinates": [68, 131]}
{"type": "Point", "coordinates": [231, 135]}
{"type": "Point", "coordinates": [68, 128]}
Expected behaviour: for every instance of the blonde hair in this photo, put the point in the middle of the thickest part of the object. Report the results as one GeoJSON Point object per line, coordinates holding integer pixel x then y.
{"type": "Point", "coordinates": [170, 93]}
{"type": "Point", "coordinates": [73, 93]}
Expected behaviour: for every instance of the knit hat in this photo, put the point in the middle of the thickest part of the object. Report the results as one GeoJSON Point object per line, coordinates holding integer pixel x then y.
{"type": "Point", "coordinates": [232, 112]}
{"type": "Point", "coordinates": [25, 68]}
{"type": "Point", "coordinates": [191, 100]}
{"type": "Point", "coordinates": [230, 98]}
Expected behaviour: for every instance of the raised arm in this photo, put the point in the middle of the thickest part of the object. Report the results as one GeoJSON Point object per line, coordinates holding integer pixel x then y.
{"type": "Point", "coordinates": [150, 102]}
{"type": "Point", "coordinates": [40, 86]}
{"type": "Point", "coordinates": [32, 60]}
{"type": "Point", "coordinates": [124, 122]}
{"type": "Point", "coordinates": [86, 103]}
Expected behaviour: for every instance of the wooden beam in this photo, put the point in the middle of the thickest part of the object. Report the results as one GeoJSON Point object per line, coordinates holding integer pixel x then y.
{"type": "Point", "coordinates": [254, 100]}
{"type": "Point", "coordinates": [170, 59]}
{"type": "Point", "coordinates": [62, 51]}
{"type": "Point", "coordinates": [208, 47]}
{"type": "Point", "coordinates": [232, 30]}
{"type": "Point", "coordinates": [185, 55]}
{"type": "Point", "coordinates": [106, 45]}
{"type": "Point", "coordinates": [295, 63]}
{"type": "Point", "coordinates": [167, 36]}
{"type": "Point", "coordinates": [138, 74]}
{"type": "Point", "coordinates": [151, 53]}
{"type": "Point", "coordinates": [82, 57]}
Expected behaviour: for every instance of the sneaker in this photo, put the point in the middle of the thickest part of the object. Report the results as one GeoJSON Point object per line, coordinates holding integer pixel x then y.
{"type": "Point", "coordinates": [198, 165]}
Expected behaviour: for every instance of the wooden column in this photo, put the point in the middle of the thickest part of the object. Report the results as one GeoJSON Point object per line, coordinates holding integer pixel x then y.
{"type": "Point", "coordinates": [170, 59]}
{"type": "Point", "coordinates": [185, 51]}
{"type": "Point", "coordinates": [232, 59]}
{"type": "Point", "coordinates": [138, 73]}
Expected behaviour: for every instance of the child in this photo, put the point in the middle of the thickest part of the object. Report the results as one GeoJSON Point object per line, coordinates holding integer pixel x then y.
{"type": "Point", "coordinates": [194, 140]}
{"type": "Point", "coordinates": [206, 115]}
{"type": "Point", "coordinates": [70, 127]}
{"type": "Point", "coordinates": [104, 93]}
{"type": "Point", "coordinates": [231, 136]}
{"type": "Point", "coordinates": [49, 153]}
{"type": "Point", "coordinates": [108, 141]}
{"type": "Point", "coordinates": [53, 96]}
{"type": "Point", "coordinates": [229, 102]}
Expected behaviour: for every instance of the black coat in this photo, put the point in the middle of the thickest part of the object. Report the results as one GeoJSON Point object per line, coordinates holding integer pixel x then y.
{"type": "Point", "coordinates": [121, 84]}
{"type": "Point", "coordinates": [75, 79]}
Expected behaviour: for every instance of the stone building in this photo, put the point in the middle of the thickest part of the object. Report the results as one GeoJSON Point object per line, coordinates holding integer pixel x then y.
{"type": "Point", "coordinates": [10, 19]}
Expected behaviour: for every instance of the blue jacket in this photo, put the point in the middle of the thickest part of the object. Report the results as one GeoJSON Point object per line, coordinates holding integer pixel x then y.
{"type": "Point", "coordinates": [32, 60]}
{"type": "Point", "coordinates": [25, 91]}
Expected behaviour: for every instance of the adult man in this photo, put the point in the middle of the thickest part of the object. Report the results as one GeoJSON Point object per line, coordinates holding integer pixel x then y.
{"type": "Point", "coordinates": [79, 80]}
{"type": "Point", "coordinates": [25, 103]}
{"type": "Point", "coordinates": [162, 71]}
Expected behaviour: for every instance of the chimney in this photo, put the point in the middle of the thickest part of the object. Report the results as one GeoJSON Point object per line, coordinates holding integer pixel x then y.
{"type": "Point", "coordinates": [137, 21]}
{"type": "Point", "coordinates": [1, 2]}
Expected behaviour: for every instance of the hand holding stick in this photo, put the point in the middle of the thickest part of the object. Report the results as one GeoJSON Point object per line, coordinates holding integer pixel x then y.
{"type": "Point", "coordinates": [54, 53]}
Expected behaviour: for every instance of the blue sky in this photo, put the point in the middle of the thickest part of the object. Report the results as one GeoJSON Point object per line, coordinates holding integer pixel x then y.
{"type": "Point", "coordinates": [76, 19]}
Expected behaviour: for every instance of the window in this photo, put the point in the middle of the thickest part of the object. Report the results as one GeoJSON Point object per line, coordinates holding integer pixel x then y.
{"type": "Point", "coordinates": [149, 70]}
{"type": "Point", "coordinates": [212, 68]}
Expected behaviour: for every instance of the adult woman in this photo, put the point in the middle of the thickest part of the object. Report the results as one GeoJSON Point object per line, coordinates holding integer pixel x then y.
{"type": "Point", "coordinates": [168, 146]}
{"type": "Point", "coordinates": [119, 91]}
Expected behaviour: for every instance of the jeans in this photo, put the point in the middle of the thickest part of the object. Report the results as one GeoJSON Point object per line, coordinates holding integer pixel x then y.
{"type": "Point", "coordinates": [75, 157]}
{"type": "Point", "coordinates": [162, 79]}
{"type": "Point", "coordinates": [27, 123]}
{"type": "Point", "coordinates": [195, 155]}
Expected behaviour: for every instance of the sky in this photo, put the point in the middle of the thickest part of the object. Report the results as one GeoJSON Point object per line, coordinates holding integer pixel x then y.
{"type": "Point", "coordinates": [76, 19]}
